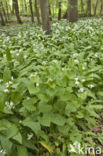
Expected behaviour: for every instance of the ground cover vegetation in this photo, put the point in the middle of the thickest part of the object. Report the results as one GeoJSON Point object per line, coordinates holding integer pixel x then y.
{"type": "Point", "coordinates": [51, 88]}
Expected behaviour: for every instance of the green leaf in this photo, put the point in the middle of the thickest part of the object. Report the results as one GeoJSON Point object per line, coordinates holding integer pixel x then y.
{"type": "Point", "coordinates": [18, 137]}
{"type": "Point", "coordinates": [6, 74]}
{"type": "Point", "coordinates": [22, 151]}
{"type": "Point", "coordinates": [12, 131]}
{"type": "Point", "coordinates": [35, 126]}
{"type": "Point", "coordinates": [8, 54]}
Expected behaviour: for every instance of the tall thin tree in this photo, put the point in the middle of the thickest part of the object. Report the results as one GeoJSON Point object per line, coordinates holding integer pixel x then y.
{"type": "Point", "coordinates": [31, 10]}
{"type": "Point", "coordinates": [45, 15]}
{"type": "Point", "coordinates": [37, 12]}
{"type": "Point", "coordinates": [88, 7]}
{"type": "Point", "coordinates": [73, 10]}
{"type": "Point", "coordinates": [16, 6]}
{"type": "Point", "coordinates": [1, 14]}
{"type": "Point", "coordinates": [59, 12]}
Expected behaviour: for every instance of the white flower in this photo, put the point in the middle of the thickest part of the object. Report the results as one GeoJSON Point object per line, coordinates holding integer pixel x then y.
{"type": "Point", "coordinates": [96, 55]}
{"type": "Point", "coordinates": [25, 56]}
{"type": "Point", "coordinates": [6, 90]}
{"type": "Point", "coordinates": [3, 152]}
{"type": "Point", "coordinates": [29, 136]}
{"type": "Point", "coordinates": [83, 80]}
{"type": "Point", "coordinates": [1, 80]}
{"type": "Point", "coordinates": [11, 103]}
{"type": "Point", "coordinates": [91, 86]}
{"type": "Point", "coordinates": [63, 69]}
{"type": "Point", "coordinates": [76, 61]}
{"type": "Point", "coordinates": [37, 84]}
{"type": "Point", "coordinates": [49, 80]}
{"type": "Point", "coordinates": [6, 103]}
{"type": "Point", "coordinates": [7, 85]}
{"type": "Point", "coordinates": [44, 62]}
{"type": "Point", "coordinates": [20, 121]}
{"type": "Point", "coordinates": [83, 68]}
{"type": "Point", "coordinates": [77, 82]}
{"type": "Point", "coordinates": [81, 90]}
{"type": "Point", "coordinates": [33, 75]}
{"type": "Point", "coordinates": [10, 82]}
{"type": "Point", "coordinates": [75, 54]}
{"type": "Point", "coordinates": [12, 78]}
{"type": "Point", "coordinates": [55, 61]}
{"type": "Point", "coordinates": [28, 98]}
{"type": "Point", "coordinates": [17, 54]}
{"type": "Point", "coordinates": [76, 79]}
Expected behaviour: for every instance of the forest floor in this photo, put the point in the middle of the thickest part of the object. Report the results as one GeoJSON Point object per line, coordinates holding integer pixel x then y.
{"type": "Point", "coordinates": [51, 88]}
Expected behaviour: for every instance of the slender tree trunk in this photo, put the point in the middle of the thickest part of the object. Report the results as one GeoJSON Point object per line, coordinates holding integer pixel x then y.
{"type": "Point", "coordinates": [31, 10]}
{"type": "Point", "coordinates": [37, 12]}
{"type": "Point", "coordinates": [101, 8]}
{"type": "Point", "coordinates": [17, 11]}
{"type": "Point", "coordinates": [50, 13]}
{"type": "Point", "coordinates": [2, 19]}
{"type": "Point", "coordinates": [4, 13]}
{"type": "Point", "coordinates": [13, 7]}
{"type": "Point", "coordinates": [73, 11]}
{"type": "Point", "coordinates": [95, 8]}
{"type": "Point", "coordinates": [45, 15]}
{"type": "Point", "coordinates": [88, 7]}
{"type": "Point", "coordinates": [82, 6]}
{"type": "Point", "coordinates": [65, 16]}
{"type": "Point", "coordinates": [7, 8]}
{"type": "Point", "coordinates": [1, 14]}
{"type": "Point", "coordinates": [59, 12]}
{"type": "Point", "coordinates": [25, 6]}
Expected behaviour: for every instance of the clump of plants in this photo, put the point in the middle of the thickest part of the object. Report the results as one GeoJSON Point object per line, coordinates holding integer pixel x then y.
{"type": "Point", "coordinates": [51, 89]}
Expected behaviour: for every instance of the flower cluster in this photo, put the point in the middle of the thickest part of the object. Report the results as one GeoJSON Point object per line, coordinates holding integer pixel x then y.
{"type": "Point", "coordinates": [9, 105]}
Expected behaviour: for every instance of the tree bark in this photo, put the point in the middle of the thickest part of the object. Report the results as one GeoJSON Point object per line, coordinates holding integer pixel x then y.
{"type": "Point", "coordinates": [73, 11]}
{"type": "Point", "coordinates": [50, 13]}
{"type": "Point", "coordinates": [2, 19]}
{"type": "Point", "coordinates": [88, 7]}
{"type": "Point", "coordinates": [37, 12]}
{"type": "Point", "coordinates": [17, 11]}
{"type": "Point", "coordinates": [3, 11]}
{"type": "Point", "coordinates": [31, 10]}
{"type": "Point", "coordinates": [101, 8]}
{"type": "Point", "coordinates": [82, 6]}
{"type": "Point", "coordinates": [25, 6]}
{"type": "Point", "coordinates": [45, 15]}
{"type": "Point", "coordinates": [13, 7]}
{"type": "Point", "coordinates": [7, 8]}
{"type": "Point", "coordinates": [59, 12]}
{"type": "Point", "coordinates": [95, 8]}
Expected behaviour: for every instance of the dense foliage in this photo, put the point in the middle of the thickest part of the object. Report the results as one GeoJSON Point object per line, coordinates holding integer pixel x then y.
{"type": "Point", "coordinates": [51, 87]}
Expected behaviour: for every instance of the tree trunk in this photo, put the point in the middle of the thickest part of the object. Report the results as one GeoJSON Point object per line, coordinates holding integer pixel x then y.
{"type": "Point", "coordinates": [31, 10]}
{"type": "Point", "coordinates": [7, 8]}
{"type": "Point", "coordinates": [2, 19]}
{"type": "Point", "coordinates": [13, 7]}
{"type": "Point", "coordinates": [82, 6]}
{"type": "Point", "coordinates": [50, 13]}
{"type": "Point", "coordinates": [3, 10]}
{"type": "Point", "coordinates": [73, 11]}
{"type": "Point", "coordinates": [59, 13]}
{"type": "Point", "coordinates": [17, 11]}
{"type": "Point", "coordinates": [88, 7]}
{"type": "Point", "coordinates": [101, 8]}
{"type": "Point", "coordinates": [45, 15]}
{"type": "Point", "coordinates": [25, 6]}
{"type": "Point", "coordinates": [95, 8]}
{"type": "Point", "coordinates": [37, 12]}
